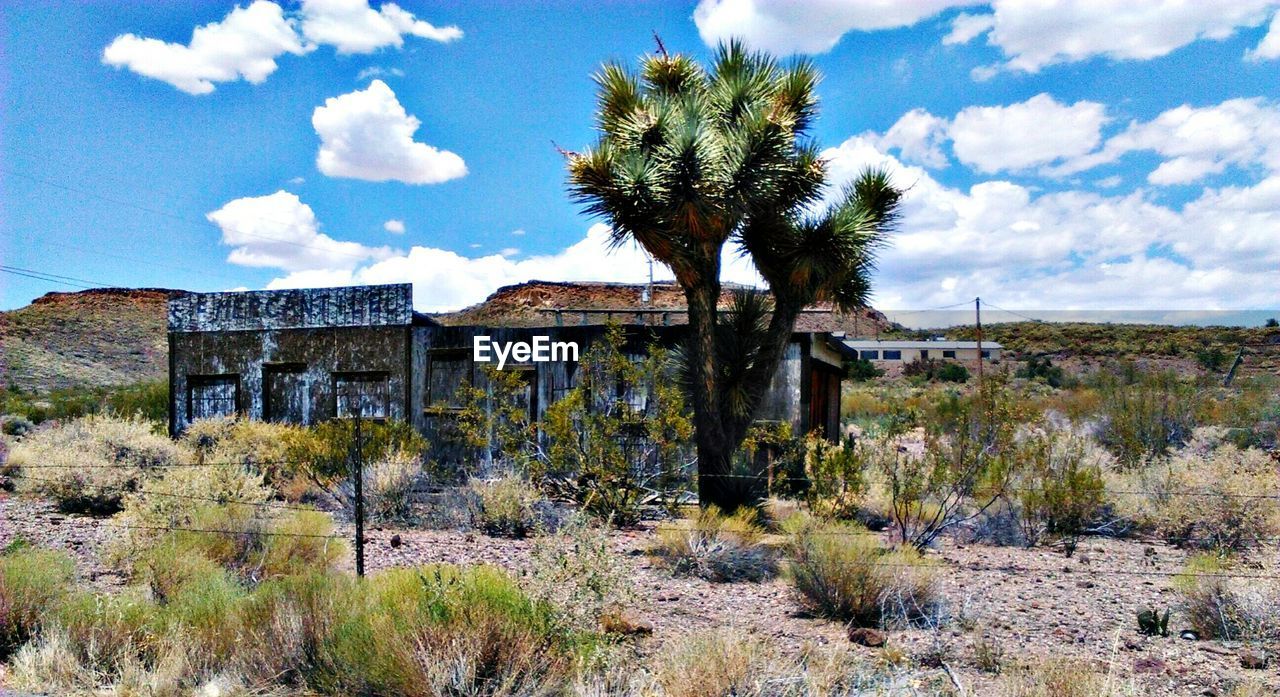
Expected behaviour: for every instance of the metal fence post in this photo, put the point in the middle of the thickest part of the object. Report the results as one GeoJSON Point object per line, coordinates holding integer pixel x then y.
{"type": "Point", "coordinates": [358, 474]}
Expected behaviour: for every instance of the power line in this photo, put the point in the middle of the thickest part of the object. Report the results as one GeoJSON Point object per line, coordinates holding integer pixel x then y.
{"type": "Point", "coordinates": [1015, 314]}
{"type": "Point", "coordinates": [41, 277]}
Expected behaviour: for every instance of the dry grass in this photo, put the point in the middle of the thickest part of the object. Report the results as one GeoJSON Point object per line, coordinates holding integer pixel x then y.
{"type": "Point", "coordinates": [88, 464]}
{"type": "Point", "coordinates": [505, 506]}
{"type": "Point", "coordinates": [717, 547]}
{"type": "Point", "coordinates": [1063, 678]}
{"type": "Point", "coordinates": [842, 572]}
{"type": "Point", "coordinates": [1219, 605]}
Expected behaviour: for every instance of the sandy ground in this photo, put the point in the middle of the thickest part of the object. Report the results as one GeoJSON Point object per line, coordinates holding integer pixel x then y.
{"type": "Point", "coordinates": [1031, 603]}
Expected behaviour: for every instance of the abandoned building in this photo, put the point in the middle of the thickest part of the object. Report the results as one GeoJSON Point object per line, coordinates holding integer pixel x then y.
{"type": "Point", "coordinates": [306, 356]}
{"type": "Point", "coordinates": [896, 351]}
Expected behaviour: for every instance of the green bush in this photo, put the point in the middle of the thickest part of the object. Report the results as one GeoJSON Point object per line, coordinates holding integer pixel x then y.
{"type": "Point", "coordinates": [837, 476]}
{"type": "Point", "coordinates": [148, 400]}
{"type": "Point", "coordinates": [841, 572]}
{"type": "Point", "coordinates": [717, 547]}
{"type": "Point", "coordinates": [88, 465]}
{"type": "Point", "coordinates": [603, 448]}
{"type": "Point", "coordinates": [1062, 492]}
{"type": "Point", "coordinates": [251, 547]}
{"type": "Point", "coordinates": [324, 451]}
{"type": "Point", "coordinates": [930, 370]}
{"type": "Point", "coordinates": [1042, 368]}
{"type": "Point", "coordinates": [1144, 415]}
{"type": "Point", "coordinates": [861, 370]}
{"type": "Point", "coordinates": [31, 582]}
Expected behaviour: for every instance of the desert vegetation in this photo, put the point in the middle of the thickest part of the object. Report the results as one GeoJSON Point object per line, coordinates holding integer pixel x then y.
{"type": "Point", "coordinates": [232, 547]}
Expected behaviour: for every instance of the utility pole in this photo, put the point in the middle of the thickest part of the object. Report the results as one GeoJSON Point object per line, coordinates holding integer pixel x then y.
{"type": "Point", "coordinates": [357, 462]}
{"type": "Point", "coordinates": [977, 315]}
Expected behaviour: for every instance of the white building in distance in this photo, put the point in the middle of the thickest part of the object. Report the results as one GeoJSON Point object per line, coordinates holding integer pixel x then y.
{"type": "Point", "coordinates": [899, 351]}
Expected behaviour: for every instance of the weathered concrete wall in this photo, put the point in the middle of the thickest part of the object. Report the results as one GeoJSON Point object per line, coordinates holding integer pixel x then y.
{"type": "Point", "coordinates": [309, 361]}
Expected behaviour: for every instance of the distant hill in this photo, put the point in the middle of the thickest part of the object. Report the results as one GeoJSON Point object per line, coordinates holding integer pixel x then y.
{"type": "Point", "coordinates": [92, 338]}
{"type": "Point", "coordinates": [546, 303]}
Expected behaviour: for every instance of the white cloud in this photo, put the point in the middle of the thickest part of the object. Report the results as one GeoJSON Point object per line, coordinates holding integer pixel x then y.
{"type": "Point", "coordinates": [1269, 47]}
{"type": "Point", "coordinates": [352, 26]}
{"type": "Point", "coordinates": [368, 135]}
{"type": "Point", "coordinates": [518, 232]}
{"type": "Point", "coordinates": [393, 226]}
{"type": "Point", "coordinates": [445, 280]}
{"type": "Point", "coordinates": [1197, 141]}
{"type": "Point", "coordinates": [1030, 35]}
{"type": "Point", "coordinates": [967, 27]}
{"type": "Point", "coordinates": [918, 136]}
{"type": "Point", "coordinates": [1071, 249]}
{"type": "Point", "coordinates": [510, 251]}
{"type": "Point", "coordinates": [377, 71]}
{"type": "Point", "coordinates": [785, 26]}
{"type": "Point", "coordinates": [1017, 137]}
{"type": "Point", "coordinates": [1033, 35]}
{"type": "Point", "coordinates": [280, 231]}
{"type": "Point", "coordinates": [244, 45]}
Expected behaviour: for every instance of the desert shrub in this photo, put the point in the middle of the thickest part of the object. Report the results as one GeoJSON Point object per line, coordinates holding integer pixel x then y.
{"type": "Point", "coordinates": [388, 486]}
{"type": "Point", "coordinates": [15, 425]}
{"type": "Point", "coordinates": [1042, 368]}
{"type": "Point", "coordinates": [505, 507]}
{"type": "Point", "coordinates": [1209, 501]}
{"type": "Point", "coordinates": [712, 664]}
{"type": "Point", "coordinates": [930, 370]}
{"type": "Point", "coordinates": [725, 661]}
{"type": "Point", "coordinates": [442, 630]}
{"type": "Point", "coordinates": [257, 445]}
{"type": "Point", "coordinates": [1062, 492]}
{"type": "Point", "coordinates": [577, 571]}
{"type": "Point", "coordinates": [323, 452]}
{"type": "Point", "coordinates": [491, 428]}
{"type": "Point", "coordinates": [717, 547]}
{"type": "Point", "coordinates": [31, 582]}
{"type": "Point", "coordinates": [622, 430]}
{"type": "Point", "coordinates": [88, 465]}
{"type": "Point", "coordinates": [772, 454]}
{"type": "Point", "coordinates": [148, 400]}
{"type": "Point", "coordinates": [1144, 415]}
{"type": "Point", "coordinates": [966, 465]}
{"type": "Point", "coordinates": [837, 476]}
{"type": "Point", "coordinates": [841, 571]}
{"type": "Point", "coordinates": [861, 369]}
{"type": "Point", "coordinates": [1219, 605]}
{"type": "Point", "coordinates": [241, 541]}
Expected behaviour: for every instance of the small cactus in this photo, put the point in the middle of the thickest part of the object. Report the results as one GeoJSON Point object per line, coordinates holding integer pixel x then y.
{"type": "Point", "coordinates": [1152, 623]}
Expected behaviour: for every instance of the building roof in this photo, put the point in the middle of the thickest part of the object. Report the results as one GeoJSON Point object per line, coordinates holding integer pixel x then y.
{"type": "Point", "coordinates": [891, 344]}
{"type": "Point", "coordinates": [353, 306]}
{"type": "Point", "coordinates": [550, 304]}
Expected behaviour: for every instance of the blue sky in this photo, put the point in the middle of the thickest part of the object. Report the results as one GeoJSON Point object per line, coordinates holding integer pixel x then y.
{"type": "Point", "coordinates": [1073, 156]}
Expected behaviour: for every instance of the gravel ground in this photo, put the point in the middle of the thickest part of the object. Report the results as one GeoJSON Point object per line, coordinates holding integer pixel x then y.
{"type": "Point", "coordinates": [1032, 603]}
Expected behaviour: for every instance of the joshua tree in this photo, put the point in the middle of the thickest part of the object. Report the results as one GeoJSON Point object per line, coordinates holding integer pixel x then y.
{"type": "Point", "coordinates": [690, 159]}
